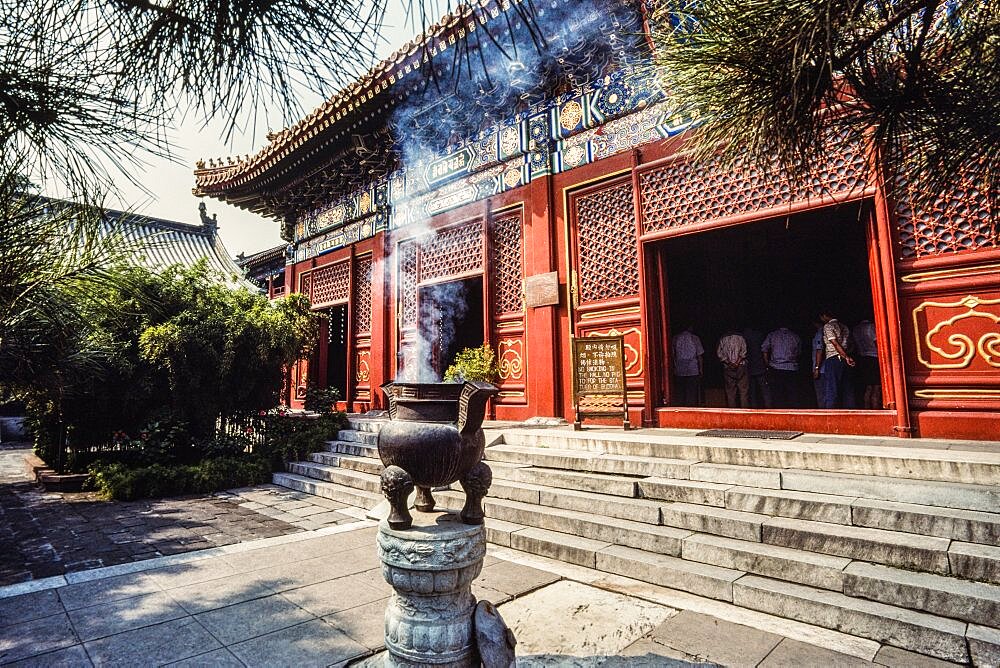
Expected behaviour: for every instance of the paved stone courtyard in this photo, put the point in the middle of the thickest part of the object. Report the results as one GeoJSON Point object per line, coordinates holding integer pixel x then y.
{"type": "Point", "coordinates": [266, 576]}
{"type": "Point", "coordinates": [44, 533]}
{"type": "Point", "coordinates": [317, 599]}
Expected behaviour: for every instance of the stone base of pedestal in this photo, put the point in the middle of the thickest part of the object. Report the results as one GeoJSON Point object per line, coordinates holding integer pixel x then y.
{"type": "Point", "coordinates": [431, 566]}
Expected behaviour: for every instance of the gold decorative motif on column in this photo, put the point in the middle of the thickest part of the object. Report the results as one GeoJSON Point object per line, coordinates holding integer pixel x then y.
{"type": "Point", "coordinates": [633, 353]}
{"type": "Point", "coordinates": [511, 364]}
{"type": "Point", "coordinates": [363, 372]}
{"type": "Point", "coordinates": [957, 347]}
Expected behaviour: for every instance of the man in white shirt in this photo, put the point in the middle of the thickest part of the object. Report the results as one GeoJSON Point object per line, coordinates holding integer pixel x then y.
{"type": "Point", "coordinates": [781, 349]}
{"type": "Point", "coordinates": [688, 360]}
{"type": "Point", "coordinates": [732, 352]}
{"type": "Point", "coordinates": [837, 391]}
{"type": "Point", "coordinates": [867, 360]}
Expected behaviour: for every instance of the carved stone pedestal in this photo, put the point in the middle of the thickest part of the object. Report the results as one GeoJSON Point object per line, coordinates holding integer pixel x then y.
{"type": "Point", "coordinates": [431, 566]}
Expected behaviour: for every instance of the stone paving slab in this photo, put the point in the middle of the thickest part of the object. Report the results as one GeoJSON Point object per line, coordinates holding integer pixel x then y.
{"type": "Point", "coordinates": [44, 534]}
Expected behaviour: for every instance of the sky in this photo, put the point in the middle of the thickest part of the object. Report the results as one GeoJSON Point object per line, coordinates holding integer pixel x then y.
{"type": "Point", "coordinates": [171, 182]}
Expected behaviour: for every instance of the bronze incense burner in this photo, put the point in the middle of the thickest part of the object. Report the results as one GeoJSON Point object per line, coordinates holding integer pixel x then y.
{"type": "Point", "coordinates": [433, 439]}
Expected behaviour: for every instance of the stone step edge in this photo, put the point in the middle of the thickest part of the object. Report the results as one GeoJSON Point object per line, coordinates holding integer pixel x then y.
{"type": "Point", "coordinates": [347, 455]}
{"type": "Point", "coordinates": [348, 495]}
{"type": "Point", "coordinates": [901, 451]}
{"type": "Point", "coordinates": [367, 482]}
{"type": "Point", "coordinates": [844, 458]}
{"type": "Point", "coordinates": [808, 558]}
{"type": "Point", "coordinates": [550, 497]}
{"type": "Point", "coordinates": [536, 546]}
{"type": "Point", "coordinates": [556, 494]}
{"type": "Point", "coordinates": [968, 496]}
{"type": "Point", "coordinates": [340, 471]}
{"type": "Point", "coordinates": [813, 635]}
{"type": "Point", "coordinates": [501, 532]}
{"type": "Point", "coordinates": [940, 637]}
{"type": "Point", "coordinates": [851, 507]}
{"type": "Point", "coordinates": [684, 538]}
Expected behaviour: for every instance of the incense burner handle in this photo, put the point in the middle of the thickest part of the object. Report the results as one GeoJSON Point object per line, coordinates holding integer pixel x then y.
{"type": "Point", "coordinates": [472, 405]}
{"type": "Point", "coordinates": [390, 398]}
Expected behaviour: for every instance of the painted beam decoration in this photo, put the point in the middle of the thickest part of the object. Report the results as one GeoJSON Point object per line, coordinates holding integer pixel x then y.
{"type": "Point", "coordinates": [591, 96]}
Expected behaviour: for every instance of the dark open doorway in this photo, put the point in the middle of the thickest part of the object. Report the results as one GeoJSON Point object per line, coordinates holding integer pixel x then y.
{"type": "Point", "coordinates": [763, 275]}
{"type": "Point", "coordinates": [451, 319]}
{"type": "Point", "coordinates": [336, 349]}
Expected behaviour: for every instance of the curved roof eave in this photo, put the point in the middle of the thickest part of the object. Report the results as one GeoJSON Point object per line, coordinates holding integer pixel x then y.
{"type": "Point", "coordinates": [235, 176]}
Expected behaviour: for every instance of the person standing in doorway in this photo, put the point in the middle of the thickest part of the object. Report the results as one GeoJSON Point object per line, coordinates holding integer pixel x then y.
{"type": "Point", "coordinates": [781, 350]}
{"type": "Point", "coordinates": [760, 393]}
{"type": "Point", "coordinates": [816, 357]}
{"type": "Point", "coordinates": [837, 392]}
{"type": "Point", "coordinates": [688, 358]}
{"type": "Point", "coordinates": [732, 352]}
{"type": "Point", "coordinates": [868, 371]}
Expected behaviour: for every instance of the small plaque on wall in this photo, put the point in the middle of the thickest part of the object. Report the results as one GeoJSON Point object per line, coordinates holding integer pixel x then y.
{"type": "Point", "coordinates": [542, 290]}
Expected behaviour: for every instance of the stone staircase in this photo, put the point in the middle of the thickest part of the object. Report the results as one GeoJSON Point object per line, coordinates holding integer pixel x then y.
{"type": "Point", "coordinates": [893, 544]}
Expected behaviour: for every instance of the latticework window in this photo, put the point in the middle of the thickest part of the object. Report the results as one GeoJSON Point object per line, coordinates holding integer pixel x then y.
{"type": "Point", "coordinates": [608, 251]}
{"type": "Point", "coordinates": [684, 193]}
{"type": "Point", "coordinates": [331, 284]}
{"type": "Point", "coordinates": [408, 282]}
{"type": "Point", "coordinates": [362, 302]}
{"type": "Point", "coordinates": [958, 220]}
{"type": "Point", "coordinates": [451, 252]}
{"type": "Point", "coordinates": [507, 265]}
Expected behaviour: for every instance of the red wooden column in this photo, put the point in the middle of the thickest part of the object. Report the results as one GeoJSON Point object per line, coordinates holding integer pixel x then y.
{"type": "Point", "coordinates": [381, 371]}
{"type": "Point", "coordinates": [541, 323]}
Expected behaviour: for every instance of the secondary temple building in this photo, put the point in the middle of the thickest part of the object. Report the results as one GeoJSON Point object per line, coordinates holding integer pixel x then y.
{"type": "Point", "coordinates": [474, 188]}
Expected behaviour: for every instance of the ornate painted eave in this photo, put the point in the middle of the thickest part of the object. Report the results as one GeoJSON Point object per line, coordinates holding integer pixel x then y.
{"type": "Point", "coordinates": [241, 181]}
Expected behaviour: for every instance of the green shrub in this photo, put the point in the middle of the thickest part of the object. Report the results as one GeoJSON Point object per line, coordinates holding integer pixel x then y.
{"type": "Point", "coordinates": [291, 436]}
{"type": "Point", "coordinates": [123, 483]}
{"type": "Point", "coordinates": [321, 400]}
{"type": "Point", "coordinates": [473, 364]}
{"type": "Point", "coordinates": [181, 352]}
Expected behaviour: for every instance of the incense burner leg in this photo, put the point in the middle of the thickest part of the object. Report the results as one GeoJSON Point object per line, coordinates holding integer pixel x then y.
{"type": "Point", "coordinates": [476, 484]}
{"type": "Point", "coordinates": [396, 487]}
{"type": "Point", "coordinates": [424, 500]}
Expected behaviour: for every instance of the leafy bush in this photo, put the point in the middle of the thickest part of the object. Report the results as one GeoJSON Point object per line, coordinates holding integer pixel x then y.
{"type": "Point", "coordinates": [184, 353]}
{"type": "Point", "coordinates": [123, 483]}
{"type": "Point", "coordinates": [321, 400]}
{"type": "Point", "coordinates": [290, 436]}
{"type": "Point", "coordinates": [473, 364]}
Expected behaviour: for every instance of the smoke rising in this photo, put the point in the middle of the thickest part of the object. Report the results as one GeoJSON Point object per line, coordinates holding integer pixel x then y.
{"type": "Point", "coordinates": [442, 307]}
{"type": "Point", "coordinates": [489, 79]}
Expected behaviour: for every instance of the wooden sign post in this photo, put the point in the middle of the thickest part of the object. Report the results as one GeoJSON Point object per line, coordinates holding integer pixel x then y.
{"type": "Point", "coordinates": [599, 378]}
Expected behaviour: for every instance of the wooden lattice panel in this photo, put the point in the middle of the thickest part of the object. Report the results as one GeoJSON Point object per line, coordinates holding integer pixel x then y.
{"type": "Point", "coordinates": [452, 251]}
{"type": "Point", "coordinates": [608, 251]}
{"type": "Point", "coordinates": [362, 302]}
{"type": "Point", "coordinates": [959, 220]}
{"type": "Point", "coordinates": [685, 193]}
{"type": "Point", "coordinates": [408, 282]}
{"type": "Point", "coordinates": [507, 265]}
{"type": "Point", "coordinates": [331, 284]}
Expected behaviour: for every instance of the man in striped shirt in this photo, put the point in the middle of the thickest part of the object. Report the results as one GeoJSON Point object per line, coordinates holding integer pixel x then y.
{"type": "Point", "coordinates": [732, 352]}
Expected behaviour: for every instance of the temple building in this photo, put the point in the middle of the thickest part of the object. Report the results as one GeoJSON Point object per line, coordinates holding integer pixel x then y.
{"type": "Point", "coordinates": [266, 269]}
{"type": "Point", "coordinates": [474, 188]}
{"type": "Point", "coordinates": [162, 243]}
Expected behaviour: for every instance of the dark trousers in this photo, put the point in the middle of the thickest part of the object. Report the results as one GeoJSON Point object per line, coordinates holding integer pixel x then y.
{"type": "Point", "coordinates": [688, 390]}
{"type": "Point", "coordinates": [782, 384]}
{"type": "Point", "coordinates": [837, 390]}
{"type": "Point", "coordinates": [737, 385]}
{"type": "Point", "coordinates": [760, 391]}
